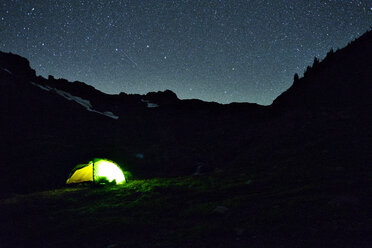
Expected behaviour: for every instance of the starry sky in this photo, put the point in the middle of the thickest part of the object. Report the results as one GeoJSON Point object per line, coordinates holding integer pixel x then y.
{"type": "Point", "coordinates": [224, 51]}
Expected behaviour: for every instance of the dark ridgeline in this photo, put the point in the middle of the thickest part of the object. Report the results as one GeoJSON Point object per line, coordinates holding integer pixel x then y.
{"type": "Point", "coordinates": [319, 129]}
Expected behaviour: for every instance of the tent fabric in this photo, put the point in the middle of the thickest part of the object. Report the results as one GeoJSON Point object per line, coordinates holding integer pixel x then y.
{"type": "Point", "coordinates": [99, 171]}
{"type": "Point", "coordinates": [77, 167]}
{"type": "Point", "coordinates": [84, 174]}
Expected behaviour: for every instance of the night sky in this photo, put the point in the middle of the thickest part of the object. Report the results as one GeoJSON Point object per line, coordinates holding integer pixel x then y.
{"type": "Point", "coordinates": [223, 51]}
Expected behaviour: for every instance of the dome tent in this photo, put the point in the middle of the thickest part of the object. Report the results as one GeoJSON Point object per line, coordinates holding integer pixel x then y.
{"type": "Point", "coordinates": [98, 171]}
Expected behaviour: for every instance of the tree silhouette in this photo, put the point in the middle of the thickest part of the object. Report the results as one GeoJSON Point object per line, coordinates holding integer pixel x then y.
{"type": "Point", "coordinates": [307, 71]}
{"type": "Point", "coordinates": [316, 62]}
{"type": "Point", "coordinates": [295, 78]}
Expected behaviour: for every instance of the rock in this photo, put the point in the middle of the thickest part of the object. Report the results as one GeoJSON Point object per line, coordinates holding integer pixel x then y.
{"type": "Point", "coordinates": [345, 201]}
{"type": "Point", "coordinates": [198, 170]}
{"type": "Point", "coordinates": [239, 231]}
{"type": "Point", "coordinates": [249, 181]}
{"type": "Point", "coordinates": [220, 210]}
{"type": "Point", "coordinates": [140, 155]}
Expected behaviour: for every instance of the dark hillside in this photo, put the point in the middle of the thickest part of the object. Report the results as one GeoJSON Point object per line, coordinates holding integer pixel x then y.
{"type": "Point", "coordinates": [325, 116]}
{"type": "Point", "coordinates": [342, 80]}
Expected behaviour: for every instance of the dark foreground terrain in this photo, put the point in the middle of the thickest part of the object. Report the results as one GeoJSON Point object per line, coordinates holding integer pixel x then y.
{"type": "Point", "coordinates": [219, 210]}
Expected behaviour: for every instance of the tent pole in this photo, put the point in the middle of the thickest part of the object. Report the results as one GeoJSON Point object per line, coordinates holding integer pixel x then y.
{"type": "Point", "coordinates": [93, 171]}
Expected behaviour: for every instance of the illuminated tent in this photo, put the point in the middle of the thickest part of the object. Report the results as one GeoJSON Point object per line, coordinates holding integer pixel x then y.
{"type": "Point", "coordinates": [97, 171]}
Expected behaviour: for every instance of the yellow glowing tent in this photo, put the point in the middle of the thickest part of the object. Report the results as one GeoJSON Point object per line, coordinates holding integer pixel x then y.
{"type": "Point", "coordinates": [97, 171]}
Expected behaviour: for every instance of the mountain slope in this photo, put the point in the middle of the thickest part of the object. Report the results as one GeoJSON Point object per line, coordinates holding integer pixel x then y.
{"type": "Point", "coordinates": [341, 80]}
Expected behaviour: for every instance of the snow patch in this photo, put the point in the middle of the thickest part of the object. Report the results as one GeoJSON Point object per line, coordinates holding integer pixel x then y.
{"type": "Point", "coordinates": [110, 114]}
{"type": "Point", "coordinates": [47, 88]}
{"type": "Point", "coordinates": [4, 69]}
{"type": "Point", "coordinates": [150, 104]}
{"type": "Point", "coordinates": [83, 102]}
